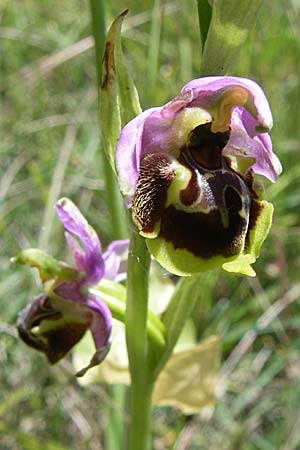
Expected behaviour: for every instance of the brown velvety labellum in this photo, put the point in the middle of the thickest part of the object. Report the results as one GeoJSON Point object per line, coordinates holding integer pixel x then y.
{"type": "Point", "coordinates": [61, 340]}
{"type": "Point", "coordinates": [58, 337]}
{"type": "Point", "coordinates": [151, 190]}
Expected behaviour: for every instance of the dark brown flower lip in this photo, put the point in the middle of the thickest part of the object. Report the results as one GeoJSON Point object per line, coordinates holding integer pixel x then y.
{"type": "Point", "coordinates": [213, 231]}
{"type": "Point", "coordinates": [216, 226]}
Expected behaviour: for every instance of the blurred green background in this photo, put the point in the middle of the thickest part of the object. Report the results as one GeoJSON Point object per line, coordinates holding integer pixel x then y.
{"type": "Point", "coordinates": [50, 147]}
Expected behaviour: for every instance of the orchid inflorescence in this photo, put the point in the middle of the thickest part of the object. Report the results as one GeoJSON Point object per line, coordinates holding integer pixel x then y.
{"type": "Point", "coordinates": [189, 172]}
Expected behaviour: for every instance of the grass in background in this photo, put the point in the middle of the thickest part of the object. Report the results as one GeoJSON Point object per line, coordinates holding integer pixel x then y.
{"type": "Point", "coordinates": [49, 147]}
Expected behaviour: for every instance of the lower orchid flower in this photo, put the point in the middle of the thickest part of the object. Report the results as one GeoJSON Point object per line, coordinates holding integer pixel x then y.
{"type": "Point", "coordinates": [55, 321]}
{"type": "Point", "coordinates": [189, 172]}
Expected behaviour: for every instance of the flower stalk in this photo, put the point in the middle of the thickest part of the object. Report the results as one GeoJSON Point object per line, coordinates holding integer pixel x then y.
{"type": "Point", "coordinates": [118, 104]}
{"type": "Point", "coordinates": [136, 338]}
{"type": "Point", "coordinates": [97, 8]}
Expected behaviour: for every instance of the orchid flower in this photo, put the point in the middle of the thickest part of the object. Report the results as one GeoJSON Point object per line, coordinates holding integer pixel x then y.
{"type": "Point", "coordinates": [189, 169]}
{"type": "Point", "coordinates": [55, 321]}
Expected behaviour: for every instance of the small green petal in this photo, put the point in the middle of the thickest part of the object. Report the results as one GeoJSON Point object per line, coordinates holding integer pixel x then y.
{"type": "Point", "coordinates": [257, 237]}
{"type": "Point", "coordinates": [47, 266]}
{"type": "Point", "coordinates": [183, 263]}
{"type": "Point", "coordinates": [241, 265]}
{"type": "Point", "coordinates": [261, 229]}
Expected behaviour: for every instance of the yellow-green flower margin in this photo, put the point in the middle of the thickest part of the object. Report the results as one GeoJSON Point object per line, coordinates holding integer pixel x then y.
{"type": "Point", "coordinates": [183, 263]}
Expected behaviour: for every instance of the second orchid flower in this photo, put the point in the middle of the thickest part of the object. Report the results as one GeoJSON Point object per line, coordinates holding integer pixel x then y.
{"type": "Point", "coordinates": [56, 320]}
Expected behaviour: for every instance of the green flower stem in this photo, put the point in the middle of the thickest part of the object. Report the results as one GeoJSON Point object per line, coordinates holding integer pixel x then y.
{"type": "Point", "coordinates": [97, 8]}
{"type": "Point", "coordinates": [119, 221]}
{"type": "Point", "coordinates": [137, 345]}
{"type": "Point", "coordinates": [140, 416]}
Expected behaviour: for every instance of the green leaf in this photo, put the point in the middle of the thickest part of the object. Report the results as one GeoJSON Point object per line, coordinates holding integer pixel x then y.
{"type": "Point", "coordinates": [118, 96]}
{"type": "Point", "coordinates": [180, 307]}
{"type": "Point", "coordinates": [128, 94]}
{"type": "Point", "coordinates": [189, 378]}
{"type": "Point", "coordinates": [110, 116]}
{"type": "Point", "coordinates": [204, 13]}
{"type": "Point", "coordinates": [229, 28]}
{"type": "Point", "coordinates": [178, 311]}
